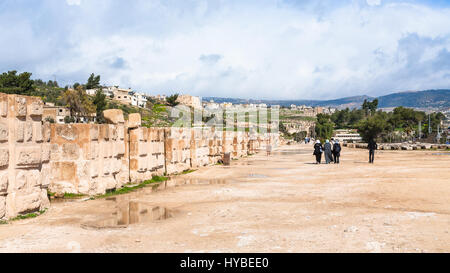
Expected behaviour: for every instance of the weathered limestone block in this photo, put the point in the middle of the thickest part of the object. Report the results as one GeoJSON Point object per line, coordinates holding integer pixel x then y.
{"type": "Point", "coordinates": [114, 116]}
{"type": "Point", "coordinates": [26, 201]}
{"type": "Point", "coordinates": [119, 149]}
{"type": "Point", "coordinates": [122, 177]}
{"type": "Point", "coordinates": [104, 132]}
{"type": "Point", "coordinates": [142, 164]}
{"type": "Point", "coordinates": [4, 132]}
{"type": "Point", "coordinates": [3, 182]}
{"type": "Point", "coordinates": [97, 186]}
{"type": "Point", "coordinates": [3, 105]}
{"type": "Point", "coordinates": [64, 171]}
{"type": "Point", "coordinates": [426, 146]}
{"type": "Point", "coordinates": [28, 131]}
{"type": "Point", "coordinates": [33, 178]}
{"type": "Point", "coordinates": [113, 132]}
{"type": "Point", "coordinates": [84, 177]}
{"type": "Point", "coordinates": [143, 148]}
{"type": "Point", "coordinates": [4, 157]}
{"type": "Point", "coordinates": [120, 132]}
{"type": "Point", "coordinates": [21, 180]}
{"type": "Point", "coordinates": [37, 131]}
{"type": "Point", "coordinates": [46, 172]}
{"type": "Point", "coordinates": [36, 108]}
{"type": "Point", "coordinates": [2, 206]}
{"type": "Point", "coordinates": [110, 182]}
{"type": "Point", "coordinates": [67, 132]}
{"type": "Point", "coordinates": [94, 168]}
{"type": "Point", "coordinates": [45, 203]}
{"type": "Point", "coordinates": [46, 131]}
{"type": "Point", "coordinates": [94, 151]}
{"type": "Point", "coordinates": [62, 187]}
{"type": "Point", "coordinates": [106, 149]}
{"type": "Point", "coordinates": [20, 131]}
{"type": "Point", "coordinates": [134, 120]}
{"type": "Point", "coordinates": [116, 165]}
{"type": "Point", "coordinates": [55, 153]}
{"type": "Point", "coordinates": [106, 166]}
{"type": "Point", "coordinates": [21, 107]}
{"type": "Point", "coordinates": [46, 152]}
{"type": "Point", "coordinates": [71, 151]}
{"type": "Point", "coordinates": [94, 132]}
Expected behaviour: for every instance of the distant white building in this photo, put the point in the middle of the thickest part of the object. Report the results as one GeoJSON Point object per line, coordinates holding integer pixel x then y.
{"type": "Point", "coordinates": [347, 136]}
{"type": "Point", "coordinates": [138, 99]}
{"type": "Point", "coordinates": [91, 92]}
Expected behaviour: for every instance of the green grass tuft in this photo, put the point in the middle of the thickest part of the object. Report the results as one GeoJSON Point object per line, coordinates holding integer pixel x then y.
{"type": "Point", "coordinates": [25, 216]}
{"type": "Point", "coordinates": [187, 171]}
{"type": "Point", "coordinates": [73, 196]}
{"type": "Point", "coordinates": [155, 180]}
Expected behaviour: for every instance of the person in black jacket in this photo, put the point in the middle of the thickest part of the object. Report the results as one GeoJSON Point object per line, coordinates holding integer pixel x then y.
{"type": "Point", "coordinates": [318, 150]}
{"type": "Point", "coordinates": [336, 152]}
{"type": "Point", "coordinates": [372, 146]}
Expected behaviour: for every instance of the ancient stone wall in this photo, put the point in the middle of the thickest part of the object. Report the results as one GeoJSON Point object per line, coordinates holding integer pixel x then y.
{"type": "Point", "coordinates": [88, 158]}
{"type": "Point", "coordinates": [37, 157]}
{"type": "Point", "coordinates": [24, 156]}
{"type": "Point", "coordinates": [146, 153]}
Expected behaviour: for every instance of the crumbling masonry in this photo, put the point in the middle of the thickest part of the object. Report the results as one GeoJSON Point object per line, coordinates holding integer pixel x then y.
{"type": "Point", "coordinates": [38, 157]}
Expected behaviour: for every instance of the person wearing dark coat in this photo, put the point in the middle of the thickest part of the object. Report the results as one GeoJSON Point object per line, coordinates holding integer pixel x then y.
{"type": "Point", "coordinates": [318, 150]}
{"type": "Point", "coordinates": [328, 153]}
{"type": "Point", "coordinates": [336, 152]}
{"type": "Point", "coordinates": [372, 146]}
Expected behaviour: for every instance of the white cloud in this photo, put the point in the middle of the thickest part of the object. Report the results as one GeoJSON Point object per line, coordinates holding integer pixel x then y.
{"type": "Point", "coordinates": [233, 49]}
{"type": "Point", "coordinates": [374, 2]}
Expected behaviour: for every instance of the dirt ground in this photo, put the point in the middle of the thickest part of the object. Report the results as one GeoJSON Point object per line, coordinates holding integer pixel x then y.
{"type": "Point", "coordinates": [279, 204]}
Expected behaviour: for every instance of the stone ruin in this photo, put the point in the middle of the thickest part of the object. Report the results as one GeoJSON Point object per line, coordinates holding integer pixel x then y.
{"type": "Point", "coordinates": [37, 157]}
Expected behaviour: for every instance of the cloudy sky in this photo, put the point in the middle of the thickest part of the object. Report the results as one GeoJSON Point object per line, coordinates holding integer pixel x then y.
{"type": "Point", "coordinates": [284, 49]}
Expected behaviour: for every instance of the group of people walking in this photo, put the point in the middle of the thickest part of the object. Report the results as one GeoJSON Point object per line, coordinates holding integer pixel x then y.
{"type": "Point", "coordinates": [332, 152]}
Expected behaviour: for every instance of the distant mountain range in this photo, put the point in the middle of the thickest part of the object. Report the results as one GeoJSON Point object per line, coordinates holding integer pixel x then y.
{"type": "Point", "coordinates": [415, 99]}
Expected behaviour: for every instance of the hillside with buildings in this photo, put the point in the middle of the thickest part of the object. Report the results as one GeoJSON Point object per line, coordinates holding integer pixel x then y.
{"type": "Point", "coordinates": [438, 99]}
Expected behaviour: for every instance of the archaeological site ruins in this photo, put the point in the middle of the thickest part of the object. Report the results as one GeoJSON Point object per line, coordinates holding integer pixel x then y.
{"type": "Point", "coordinates": [37, 157]}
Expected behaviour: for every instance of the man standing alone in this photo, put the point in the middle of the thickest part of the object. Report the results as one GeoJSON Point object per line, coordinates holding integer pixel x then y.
{"type": "Point", "coordinates": [372, 147]}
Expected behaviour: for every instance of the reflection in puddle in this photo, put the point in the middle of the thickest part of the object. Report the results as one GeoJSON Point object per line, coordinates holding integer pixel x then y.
{"type": "Point", "coordinates": [196, 181]}
{"type": "Point", "coordinates": [129, 213]}
{"type": "Point", "coordinates": [441, 154]}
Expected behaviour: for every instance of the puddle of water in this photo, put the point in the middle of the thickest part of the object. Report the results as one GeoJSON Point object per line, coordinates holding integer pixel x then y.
{"type": "Point", "coordinates": [196, 181]}
{"type": "Point", "coordinates": [441, 154]}
{"type": "Point", "coordinates": [129, 213]}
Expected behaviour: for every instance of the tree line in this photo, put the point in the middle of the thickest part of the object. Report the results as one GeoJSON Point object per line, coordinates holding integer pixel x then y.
{"type": "Point", "coordinates": [399, 125]}
{"type": "Point", "coordinates": [76, 99]}
{"type": "Point", "coordinates": [79, 103]}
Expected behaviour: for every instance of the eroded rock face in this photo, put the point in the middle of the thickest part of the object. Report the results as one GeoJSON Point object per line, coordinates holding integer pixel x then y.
{"type": "Point", "coordinates": [3, 182]}
{"type": "Point", "coordinates": [27, 201]}
{"type": "Point", "coordinates": [22, 187]}
{"type": "Point", "coordinates": [2, 206]}
{"type": "Point", "coordinates": [114, 116]}
{"type": "Point", "coordinates": [134, 120]}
